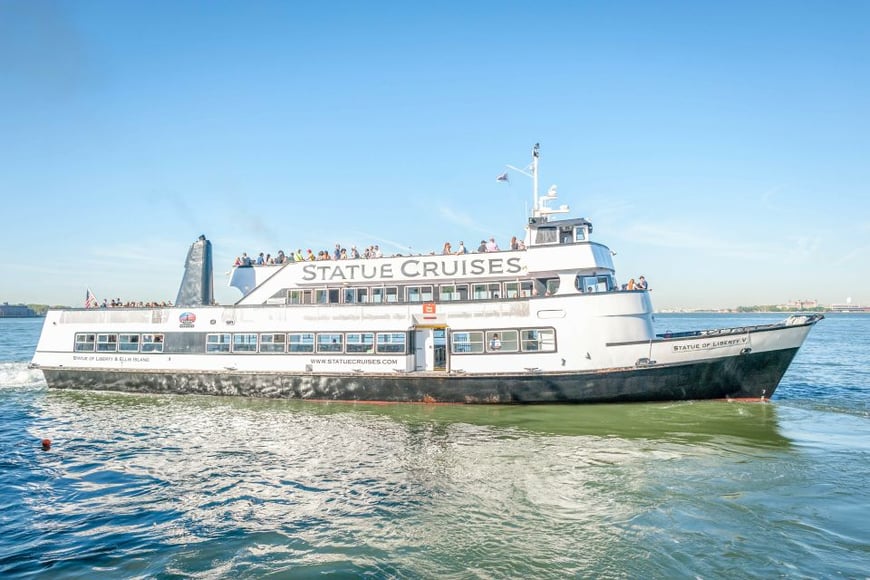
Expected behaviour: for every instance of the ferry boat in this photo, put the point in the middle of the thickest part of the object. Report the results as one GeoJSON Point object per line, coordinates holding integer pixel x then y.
{"type": "Point", "coordinates": [544, 324]}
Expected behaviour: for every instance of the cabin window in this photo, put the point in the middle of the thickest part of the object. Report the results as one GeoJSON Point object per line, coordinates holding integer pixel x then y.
{"type": "Point", "coordinates": [502, 341]}
{"type": "Point", "coordinates": [377, 295]}
{"type": "Point", "coordinates": [551, 286]}
{"type": "Point", "coordinates": [546, 236]}
{"type": "Point", "coordinates": [272, 342]}
{"type": "Point", "coordinates": [593, 283]}
{"type": "Point", "coordinates": [361, 342]}
{"type": "Point", "coordinates": [128, 342]}
{"type": "Point", "coordinates": [300, 297]}
{"type": "Point", "coordinates": [154, 343]}
{"type": "Point", "coordinates": [392, 294]}
{"type": "Point", "coordinates": [466, 342]}
{"type": "Point", "coordinates": [107, 342]}
{"type": "Point", "coordinates": [527, 288]}
{"type": "Point", "coordinates": [244, 342]}
{"type": "Point", "coordinates": [85, 342]}
{"type": "Point", "coordinates": [453, 292]}
{"type": "Point", "coordinates": [580, 234]}
{"type": "Point", "coordinates": [329, 342]}
{"type": "Point", "coordinates": [538, 340]}
{"type": "Point", "coordinates": [511, 289]}
{"type": "Point", "coordinates": [326, 295]}
{"type": "Point", "coordinates": [391, 342]}
{"type": "Point", "coordinates": [218, 342]}
{"type": "Point", "coordinates": [419, 293]}
{"type": "Point", "coordinates": [301, 341]}
{"type": "Point", "coordinates": [486, 291]}
{"type": "Point", "coordinates": [355, 295]}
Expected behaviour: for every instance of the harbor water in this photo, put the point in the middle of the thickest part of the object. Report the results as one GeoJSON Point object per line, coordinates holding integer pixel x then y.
{"type": "Point", "coordinates": [137, 486]}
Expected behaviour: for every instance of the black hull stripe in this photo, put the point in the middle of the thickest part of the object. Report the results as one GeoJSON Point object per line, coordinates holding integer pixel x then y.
{"type": "Point", "coordinates": [751, 376]}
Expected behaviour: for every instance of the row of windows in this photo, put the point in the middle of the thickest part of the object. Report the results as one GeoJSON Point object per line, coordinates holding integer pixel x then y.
{"type": "Point", "coordinates": [309, 342]}
{"type": "Point", "coordinates": [87, 342]}
{"type": "Point", "coordinates": [510, 340]}
{"type": "Point", "coordinates": [444, 292]}
{"type": "Point", "coordinates": [424, 293]}
{"type": "Point", "coordinates": [394, 343]}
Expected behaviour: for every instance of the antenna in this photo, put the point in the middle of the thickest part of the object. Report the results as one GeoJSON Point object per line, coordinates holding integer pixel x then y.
{"type": "Point", "coordinates": [539, 206]}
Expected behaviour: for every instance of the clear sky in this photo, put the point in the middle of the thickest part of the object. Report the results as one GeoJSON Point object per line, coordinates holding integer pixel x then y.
{"type": "Point", "coordinates": [722, 149]}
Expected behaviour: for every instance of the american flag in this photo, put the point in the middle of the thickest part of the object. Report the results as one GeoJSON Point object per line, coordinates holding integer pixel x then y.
{"type": "Point", "coordinates": [90, 300]}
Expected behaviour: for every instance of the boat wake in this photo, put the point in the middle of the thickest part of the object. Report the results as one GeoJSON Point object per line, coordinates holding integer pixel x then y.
{"type": "Point", "coordinates": [16, 374]}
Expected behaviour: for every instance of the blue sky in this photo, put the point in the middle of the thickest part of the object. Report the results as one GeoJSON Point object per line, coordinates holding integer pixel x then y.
{"type": "Point", "coordinates": [722, 149]}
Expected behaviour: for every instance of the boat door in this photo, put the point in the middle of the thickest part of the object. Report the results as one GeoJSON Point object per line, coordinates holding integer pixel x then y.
{"type": "Point", "coordinates": [430, 345]}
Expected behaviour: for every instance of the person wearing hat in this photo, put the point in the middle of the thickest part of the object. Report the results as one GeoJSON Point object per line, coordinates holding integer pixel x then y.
{"type": "Point", "coordinates": [482, 247]}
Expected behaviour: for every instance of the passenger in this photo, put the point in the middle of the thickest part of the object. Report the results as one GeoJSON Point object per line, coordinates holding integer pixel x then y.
{"type": "Point", "coordinates": [354, 253]}
{"type": "Point", "coordinates": [260, 259]}
{"type": "Point", "coordinates": [461, 249]}
{"type": "Point", "coordinates": [494, 343]}
{"type": "Point", "coordinates": [521, 245]}
{"type": "Point", "coordinates": [238, 262]}
{"type": "Point", "coordinates": [336, 255]}
{"type": "Point", "coordinates": [515, 245]}
{"type": "Point", "coordinates": [281, 257]}
{"type": "Point", "coordinates": [491, 246]}
{"type": "Point", "coordinates": [270, 259]}
{"type": "Point", "coordinates": [298, 257]}
{"type": "Point", "coordinates": [342, 255]}
{"type": "Point", "coordinates": [482, 247]}
{"type": "Point", "coordinates": [631, 285]}
{"type": "Point", "coordinates": [641, 284]}
{"type": "Point", "coordinates": [447, 249]}
{"type": "Point", "coordinates": [378, 253]}
{"type": "Point", "coordinates": [310, 257]}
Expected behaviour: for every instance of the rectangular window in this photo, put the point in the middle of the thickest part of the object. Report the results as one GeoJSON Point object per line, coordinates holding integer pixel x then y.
{"type": "Point", "coordinates": [362, 295]}
{"type": "Point", "coordinates": [218, 342]}
{"type": "Point", "coordinates": [447, 293]}
{"type": "Point", "coordinates": [272, 342]}
{"type": "Point", "coordinates": [466, 342]}
{"type": "Point", "coordinates": [300, 297]}
{"type": "Point", "coordinates": [321, 296]}
{"type": "Point", "coordinates": [527, 288]}
{"type": "Point", "coordinates": [538, 340]}
{"type": "Point", "coordinates": [300, 342]}
{"type": "Point", "coordinates": [107, 342]}
{"type": "Point", "coordinates": [419, 293]}
{"type": "Point", "coordinates": [244, 342]}
{"type": "Point", "coordinates": [392, 294]}
{"type": "Point", "coordinates": [579, 234]}
{"type": "Point", "coordinates": [361, 342]}
{"type": "Point", "coordinates": [154, 343]}
{"type": "Point", "coordinates": [546, 236]}
{"type": "Point", "coordinates": [392, 342]}
{"type": "Point", "coordinates": [511, 289]}
{"type": "Point", "coordinates": [329, 342]}
{"type": "Point", "coordinates": [85, 342]}
{"type": "Point", "coordinates": [128, 342]}
{"type": "Point", "coordinates": [502, 341]}
{"type": "Point", "coordinates": [377, 295]}
{"type": "Point", "coordinates": [478, 292]}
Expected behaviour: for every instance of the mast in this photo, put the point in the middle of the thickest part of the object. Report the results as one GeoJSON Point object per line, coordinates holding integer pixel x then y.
{"type": "Point", "coordinates": [535, 153]}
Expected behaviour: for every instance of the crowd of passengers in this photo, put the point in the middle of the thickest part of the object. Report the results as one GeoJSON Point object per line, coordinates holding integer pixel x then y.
{"type": "Point", "coordinates": [341, 253]}
{"type": "Point", "coordinates": [118, 303]}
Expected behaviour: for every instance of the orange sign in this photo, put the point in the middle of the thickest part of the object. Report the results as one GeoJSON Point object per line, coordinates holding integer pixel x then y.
{"type": "Point", "coordinates": [428, 310]}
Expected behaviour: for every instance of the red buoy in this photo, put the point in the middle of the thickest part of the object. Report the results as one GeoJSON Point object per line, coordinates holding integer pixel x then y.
{"type": "Point", "coordinates": [46, 444]}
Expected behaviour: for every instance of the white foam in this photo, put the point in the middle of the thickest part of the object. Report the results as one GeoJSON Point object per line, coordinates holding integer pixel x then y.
{"type": "Point", "coordinates": [16, 374]}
